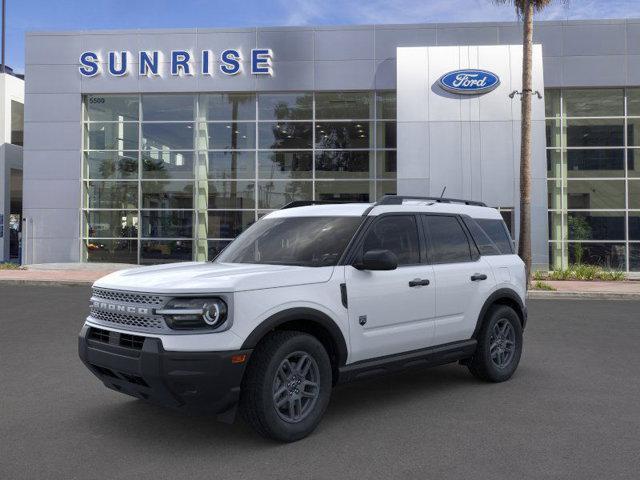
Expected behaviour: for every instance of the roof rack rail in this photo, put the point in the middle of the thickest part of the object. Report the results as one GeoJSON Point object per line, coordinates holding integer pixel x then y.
{"type": "Point", "coordinates": [307, 203]}
{"type": "Point", "coordinates": [398, 199]}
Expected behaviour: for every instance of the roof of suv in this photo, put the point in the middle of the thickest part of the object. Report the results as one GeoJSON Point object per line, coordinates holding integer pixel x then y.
{"type": "Point", "coordinates": [359, 209]}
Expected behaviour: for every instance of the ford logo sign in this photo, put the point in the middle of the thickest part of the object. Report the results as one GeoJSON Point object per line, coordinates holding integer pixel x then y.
{"type": "Point", "coordinates": [469, 81]}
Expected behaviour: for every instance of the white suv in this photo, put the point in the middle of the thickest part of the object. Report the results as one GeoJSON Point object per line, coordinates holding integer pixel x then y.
{"type": "Point", "coordinates": [308, 297]}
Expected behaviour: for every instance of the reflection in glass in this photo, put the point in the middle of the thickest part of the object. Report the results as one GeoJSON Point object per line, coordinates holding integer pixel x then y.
{"type": "Point", "coordinates": [109, 224]}
{"type": "Point", "coordinates": [174, 107]}
{"type": "Point", "coordinates": [554, 133]}
{"type": "Point", "coordinates": [121, 195]}
{"type": "Point", "coordinates": [634, 194]}
{"type": "Point", "coordinates": [554, 192]}
{"type": "Point", "coordinates": [231, 165]}
{"type": "Point", "coordinates": [344, 191]}
{"type": "Point", "coordinates": [595, 133]}
{"type": "Point", "coordinates": [165, 251]}
{"type": "Point", "coordinates": [633, 162]}
{"type": "Point", "coordinates": [335, 135]}
{"type": "Point", "coordinates": [594, 102]}
{"type": "Point", "coordinates": [343, 164]}
{"type": "Point", "coordinates": [276, 194]}
{"type": "Point", "coordinates": [387, 163]}
{"type": "Point", "coordinates": [596, 225]}
{"type": "Point", "coordinates": [385, 187]}
{"type": "Point", "coordinates": [634, 225]}
{"type": "Point", "coordinates": [285, 106]}
{"type": "Point", "coordinates": [167, 224]}
{"type": "Point", "coordinates": [111, 165]}
{"type": "Point", "coordinates": [386, 136]}
{"type": "Point", "coordinates": [552, 103]}
{"type": "Point", "coordinates": [595, 163]}
{"type": "Point", "coordinates": [227, 136]}
{"type": "Point", "coordinates": [343, 105]}
{"type": "Point", "coordinates": [167, 136]}
{"type": "Point", "coordinates": [167, 164]}
{"type": "Point", "coordinates": [227, 106]}
{"type": "Point", "coordinates": [111, 108]}
{"type": "Point", "coordinates": [111, 136]}
{"type": "Point", "coordinates": [633, 102]}
{"type": "Point", "coordinates": [284, 165]}
{"type": "Point", "coordinates": [216, 246]}
{"type": "Point", "coordinates": [285, 135]}
{"type": "Point", "coordinates": [634, 257]}
{"type": "Point", "coordinates": [111, 251]}
{"type": "Point", "coordinates": [633, 132]}
{"type": "Point", "coordinates": [610, 256]}
{"type": "Point", "coordinates": [167, 195]}
{"type": "Point", "coordinates": [230, 194]}
{"type": "Point", "coordinates": [229, 224]}
{"type": "Point", "coordinates": [386, 105]}
{"type": "Point", "coordinates": [554, 163]}
{"type": "Point", "coordinates": [595, 194]}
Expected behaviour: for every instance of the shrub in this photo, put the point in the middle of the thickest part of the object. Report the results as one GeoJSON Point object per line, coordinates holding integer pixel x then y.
{"type": "Point", "coordinates": [9, 266]}
{"type": "Point", "coordinates": [586, 273]}
{"type": "Point", "coordinates": [543, 286]}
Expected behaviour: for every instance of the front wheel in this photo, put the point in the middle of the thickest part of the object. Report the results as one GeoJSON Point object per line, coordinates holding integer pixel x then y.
{"type": "Point", "coordinates": [499, 345]}
{"type": "Point", "coordinates": [287, 386]}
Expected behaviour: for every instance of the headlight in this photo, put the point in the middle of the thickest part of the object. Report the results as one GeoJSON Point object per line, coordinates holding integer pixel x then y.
{"type": "Point", "coordinates": [194, 313]}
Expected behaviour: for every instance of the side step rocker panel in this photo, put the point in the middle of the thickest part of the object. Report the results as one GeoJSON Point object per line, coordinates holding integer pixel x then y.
{"type": "Point", "coordinates": [427, 357]}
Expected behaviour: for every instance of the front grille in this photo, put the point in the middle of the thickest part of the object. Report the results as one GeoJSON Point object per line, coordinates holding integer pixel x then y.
{"type": "Point", "coordinates": [150, 323]}
{"type": "Point", "coordinates": [99, 335]}
{"type": "Point", "coordinates": [131, 341]}
{"type": "Point", "coordinates": [128, 297]}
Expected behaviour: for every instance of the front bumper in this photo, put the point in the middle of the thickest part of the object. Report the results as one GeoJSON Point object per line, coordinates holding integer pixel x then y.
{"type": "Point", "coordinates": [139, 366]}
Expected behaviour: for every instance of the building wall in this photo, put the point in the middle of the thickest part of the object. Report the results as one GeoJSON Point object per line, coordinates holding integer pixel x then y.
{"type": "Point", "coordinates": [470, 145]}
{"type": "Point", "coordinates": [596, 53]}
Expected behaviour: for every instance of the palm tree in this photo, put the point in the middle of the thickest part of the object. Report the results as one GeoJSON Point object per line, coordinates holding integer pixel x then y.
{"type": "Point", "coordinates": [525, 10]}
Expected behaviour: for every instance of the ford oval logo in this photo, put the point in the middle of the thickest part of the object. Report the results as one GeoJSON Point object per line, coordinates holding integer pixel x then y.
{"type": "Point", "coordinates": [469, 81]}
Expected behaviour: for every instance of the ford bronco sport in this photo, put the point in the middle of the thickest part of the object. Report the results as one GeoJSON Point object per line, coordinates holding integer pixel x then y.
{"type": "Point", "coordinates": [308, 297]}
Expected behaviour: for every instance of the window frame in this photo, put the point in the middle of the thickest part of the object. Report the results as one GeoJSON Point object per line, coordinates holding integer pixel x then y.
{"type": "Point", "coordinates": [354, 253]}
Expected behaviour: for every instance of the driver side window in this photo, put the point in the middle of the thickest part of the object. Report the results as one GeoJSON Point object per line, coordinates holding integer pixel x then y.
{"type": "Point", "coordinates": [398, 234]}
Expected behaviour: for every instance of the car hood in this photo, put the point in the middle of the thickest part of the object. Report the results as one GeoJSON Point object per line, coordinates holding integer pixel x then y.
{"type": "Point", "coordinates": [207, 277]}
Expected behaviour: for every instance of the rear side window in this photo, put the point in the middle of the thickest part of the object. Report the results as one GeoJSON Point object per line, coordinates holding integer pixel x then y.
{"type": "Point", "coordinates": [449, 243]}
{"type": "Point", "coordinates": [497, 232]}
{"type": "Point", "coordinates": [398, 234]}
{"type": "Point", "coordinates": [484, 243]}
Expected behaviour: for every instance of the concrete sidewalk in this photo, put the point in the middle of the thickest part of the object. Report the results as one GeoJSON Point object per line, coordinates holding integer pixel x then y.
{"type": "Point", "coordinates": [60, 273]}
{"type": "Point", "coordinates": [626, 290]}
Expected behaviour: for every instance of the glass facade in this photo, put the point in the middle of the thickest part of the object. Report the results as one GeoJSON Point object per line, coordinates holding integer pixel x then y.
{"type": "Point", "coordinates": [171, 177]}
{"type": "Point", "coordinates": [593, 144]}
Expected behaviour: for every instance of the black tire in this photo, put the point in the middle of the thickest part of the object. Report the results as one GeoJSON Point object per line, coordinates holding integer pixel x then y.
{"type": "Point", "coordinates": [485, 363]}
{"type": "Point", "coordinates": [257, 403]}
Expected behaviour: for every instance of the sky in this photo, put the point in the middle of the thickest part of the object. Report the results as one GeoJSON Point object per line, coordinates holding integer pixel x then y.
{"type": "Point", "coordinates": [33, 15]}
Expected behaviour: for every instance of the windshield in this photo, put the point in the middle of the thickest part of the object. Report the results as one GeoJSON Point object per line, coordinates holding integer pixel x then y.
{"type": "Point", "coordinates": [303, 241]}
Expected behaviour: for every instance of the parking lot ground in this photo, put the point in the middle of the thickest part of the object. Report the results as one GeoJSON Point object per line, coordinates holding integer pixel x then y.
{"type": "Point", "coordinates": [572, 411]}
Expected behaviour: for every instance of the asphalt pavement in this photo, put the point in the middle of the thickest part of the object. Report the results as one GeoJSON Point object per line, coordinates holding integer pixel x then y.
{"type": "Point", "coordinates": [571, 411]}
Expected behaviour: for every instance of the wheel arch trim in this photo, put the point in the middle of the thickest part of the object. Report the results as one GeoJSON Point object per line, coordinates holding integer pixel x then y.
{"type": "Point", "coordinates": [300, 314]}
{"type": "Point", "coordinates": [511, 296]}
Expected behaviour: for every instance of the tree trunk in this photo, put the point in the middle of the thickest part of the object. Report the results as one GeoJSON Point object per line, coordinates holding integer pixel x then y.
{"type": "Point", "coordinates": [524, 245]}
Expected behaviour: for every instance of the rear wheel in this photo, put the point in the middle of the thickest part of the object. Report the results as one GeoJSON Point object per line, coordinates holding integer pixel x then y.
{"type": "Point", "coordinates": [499, 345]}
{"type": "Point", "coordinates": [287, 386]}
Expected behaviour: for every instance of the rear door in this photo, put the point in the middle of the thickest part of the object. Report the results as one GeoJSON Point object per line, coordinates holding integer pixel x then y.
{"type": "Point", "coordinates": [391, 311]}
{"type": "Point", "coordinates": [463, 279]}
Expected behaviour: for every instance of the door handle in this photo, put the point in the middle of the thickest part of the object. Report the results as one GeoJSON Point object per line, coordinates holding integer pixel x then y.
{"type": "Point", "coordinates": [419, 282]}
{"type": "Point", "coordinates": [478, 276]}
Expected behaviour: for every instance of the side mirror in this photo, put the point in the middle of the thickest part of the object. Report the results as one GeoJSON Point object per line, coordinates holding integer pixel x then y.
{"type": "Point", "coordinates": [378, 260]}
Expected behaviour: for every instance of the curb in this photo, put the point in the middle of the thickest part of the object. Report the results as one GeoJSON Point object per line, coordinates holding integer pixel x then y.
{"type": "Point", "coordinates": [12, 282]}
{"type": "Point", "coordinates": [549, 295]}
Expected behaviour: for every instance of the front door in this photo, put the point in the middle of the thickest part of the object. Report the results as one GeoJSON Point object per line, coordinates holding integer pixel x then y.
{"type": "Point", "coordinates": [391, 311]}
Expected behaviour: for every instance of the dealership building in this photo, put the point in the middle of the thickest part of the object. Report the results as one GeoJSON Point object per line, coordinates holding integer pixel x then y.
{"type": "Point", "coordinates": [150, 146]}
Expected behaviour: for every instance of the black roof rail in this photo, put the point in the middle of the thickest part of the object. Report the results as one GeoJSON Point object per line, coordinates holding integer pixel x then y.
{"type": "Point", "coordinates": [398, 199]}
{"type": "Point", "coordinates": [307, 203]}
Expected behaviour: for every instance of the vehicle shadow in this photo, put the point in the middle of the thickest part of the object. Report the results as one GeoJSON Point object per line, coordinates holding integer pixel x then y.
{"type": "Point", "coordinates": [361, 401]}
